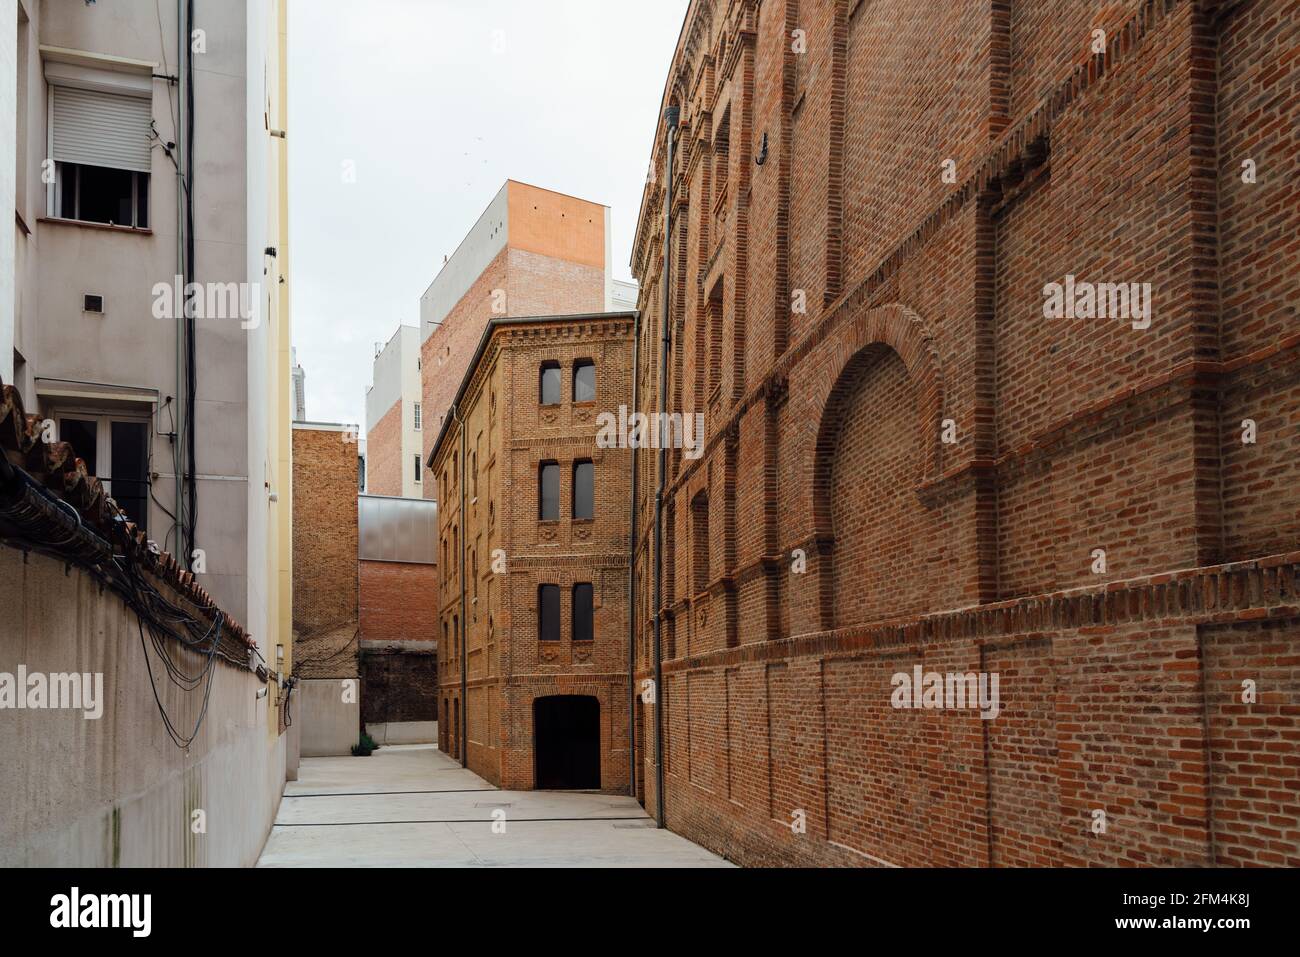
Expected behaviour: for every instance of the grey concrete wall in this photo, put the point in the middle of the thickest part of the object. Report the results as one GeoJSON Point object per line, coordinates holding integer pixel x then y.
{"type": "Point", "coordinates": [116, 791]}
{"type": "Point", "coordinates": [330, 725]}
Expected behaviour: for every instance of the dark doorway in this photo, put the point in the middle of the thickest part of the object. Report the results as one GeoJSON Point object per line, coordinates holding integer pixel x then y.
{"type": "Point", "coordinates": [566, 743]}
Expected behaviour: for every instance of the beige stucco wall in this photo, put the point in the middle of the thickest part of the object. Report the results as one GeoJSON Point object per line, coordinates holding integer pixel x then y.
{"type": "Point", "coordinates": [330, 724]}
{"type": "Point", "coordinates": [236, 218]}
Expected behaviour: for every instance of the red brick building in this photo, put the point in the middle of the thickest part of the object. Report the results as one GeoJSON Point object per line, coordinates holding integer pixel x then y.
{"type": "Point", "coordinates": [533, 654]}
{"type": "Point", "coordinates": [914, 458]}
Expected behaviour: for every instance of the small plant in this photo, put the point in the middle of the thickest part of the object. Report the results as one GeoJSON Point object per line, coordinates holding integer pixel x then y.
{"type": "Point", "coordinates": [365, 747]}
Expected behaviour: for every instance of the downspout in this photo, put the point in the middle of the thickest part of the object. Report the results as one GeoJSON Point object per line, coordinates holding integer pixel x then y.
{"type": "Point", "coordinates": [671, 116]}
{"type": "Point", "coordinates": [182, 192]}
{"type": "Point", "coordinates": [464, 623]}
{"type": "Point", "coordinates": [631, 570]}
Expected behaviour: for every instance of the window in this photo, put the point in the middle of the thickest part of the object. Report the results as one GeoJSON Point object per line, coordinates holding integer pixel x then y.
{"type": "Point", "coordinates": [583, 629]}
{"type": "Point", "coordinates": [548, 492]}
{"type": "Point", "coordinates": [419, 422]}
{"type": "Point", "coordinates": [584, 490]}
{"type": "Point", "coordinates": [116, 451]}
{"type": "Point", "coordinates": [101, 146]}
{"type": "Point", "coordinates": [548, 385]}
{"type": "Point", "coordinates": [418, 478]}
{"type": "Point", "coordinates": [584, 381]}
{"type": "Point", "coordinates": [548, 613]}
{"type": "Point", "coordinates": [95, 195]}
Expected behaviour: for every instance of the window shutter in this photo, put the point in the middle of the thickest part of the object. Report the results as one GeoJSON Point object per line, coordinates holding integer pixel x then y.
{"type": "Point", "coordinates": [102, 129]}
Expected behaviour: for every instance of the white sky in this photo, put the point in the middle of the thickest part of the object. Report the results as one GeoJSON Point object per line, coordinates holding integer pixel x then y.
{"type": "Point", "coordinates": [435, 109]}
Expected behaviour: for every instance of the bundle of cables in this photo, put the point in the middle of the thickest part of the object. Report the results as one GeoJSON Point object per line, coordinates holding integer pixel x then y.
{"type": "Point", "coordinates": [33, 519]}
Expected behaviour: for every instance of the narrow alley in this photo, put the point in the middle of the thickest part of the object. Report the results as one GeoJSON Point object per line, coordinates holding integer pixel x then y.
{"type": "Point", "coordinates": [413, 806]}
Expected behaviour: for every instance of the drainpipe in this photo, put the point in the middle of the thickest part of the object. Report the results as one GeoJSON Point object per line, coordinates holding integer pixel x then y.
{"type": "Point", "coordinates": [631, 572]}
{"type": "Point", "coordinates": [464, 623]}
{"type": "Point", "coordinates": [671, 116]}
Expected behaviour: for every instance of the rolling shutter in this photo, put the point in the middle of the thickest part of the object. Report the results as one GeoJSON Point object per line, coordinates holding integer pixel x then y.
{"type": "Point", "coordinates": [102, 129]}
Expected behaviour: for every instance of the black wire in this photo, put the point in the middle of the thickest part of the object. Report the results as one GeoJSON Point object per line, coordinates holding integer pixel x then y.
{"type": "Point", "coordinates": [36, 513]}
{"type": "Point", "coordinates": [288, 696]}
{"type": "Point", "coordinates": [191, 371]}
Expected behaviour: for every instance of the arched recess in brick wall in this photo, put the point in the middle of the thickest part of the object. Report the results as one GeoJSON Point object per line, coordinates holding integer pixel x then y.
{"type": "Point", "coordinates": [878, 412]}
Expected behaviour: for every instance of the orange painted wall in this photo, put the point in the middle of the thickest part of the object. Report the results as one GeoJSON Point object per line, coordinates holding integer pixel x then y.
{"type": "Point", "coordinates": [553, 224]}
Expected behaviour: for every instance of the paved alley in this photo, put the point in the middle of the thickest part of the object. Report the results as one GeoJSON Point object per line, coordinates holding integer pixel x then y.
{"type": "Point", "coordinates": [412, 806]}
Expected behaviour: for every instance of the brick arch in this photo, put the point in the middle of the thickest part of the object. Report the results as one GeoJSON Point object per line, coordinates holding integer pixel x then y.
{"type": "Point", "coordinates": [899, 328]}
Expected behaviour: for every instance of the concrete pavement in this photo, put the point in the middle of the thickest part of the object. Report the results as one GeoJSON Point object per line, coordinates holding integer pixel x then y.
{"type": "Point", "coordinates": [413, 806]}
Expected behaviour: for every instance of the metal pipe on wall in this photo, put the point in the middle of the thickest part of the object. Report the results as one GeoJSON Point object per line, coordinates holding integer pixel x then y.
{"type": "Point", "coordinates": [464, 624]}
{"type": "Point", "coordinates": [631, 570]}
{"type": "Point", "coordinates": [671, 117]}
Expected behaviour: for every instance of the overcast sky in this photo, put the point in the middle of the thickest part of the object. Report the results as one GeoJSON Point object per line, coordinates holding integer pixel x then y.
{"type": "Point", "coordinates": [434, 104]}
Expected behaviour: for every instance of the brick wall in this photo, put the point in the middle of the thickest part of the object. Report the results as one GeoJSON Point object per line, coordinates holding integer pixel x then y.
{"type": "Point", "coordinates": [399, 685]}
{"type": "Point", "coordinates": [324, 553]}
{"type": "Point", "coordinates": [544, 286]}
{"type": "Point", "coordinates": [396, 601]}
{"type": "Point", "coordinates": [908, 464]}
{"type": "Point", "coordinates": [384, 454]}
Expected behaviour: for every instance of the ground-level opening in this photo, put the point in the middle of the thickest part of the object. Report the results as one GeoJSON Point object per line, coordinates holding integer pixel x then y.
{"type": "Point", "coordinates": [566, 743]}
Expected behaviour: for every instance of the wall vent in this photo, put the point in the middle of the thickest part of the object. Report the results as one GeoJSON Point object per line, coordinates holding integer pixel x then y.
{"type": "Point", "coordinates": [93, 303]}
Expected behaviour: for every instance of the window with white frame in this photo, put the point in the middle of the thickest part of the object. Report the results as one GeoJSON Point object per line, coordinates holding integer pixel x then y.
{"type": "Point", "coordinates": [419, 420]}
{"type": "Point", "coordinates": [116, 451]}
{"type": "Point", "coordinates": [419, 477]}
{"type": "Point", "coordinates": [100, 138]}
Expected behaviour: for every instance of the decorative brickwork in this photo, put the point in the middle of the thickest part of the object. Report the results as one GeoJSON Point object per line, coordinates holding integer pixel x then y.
{"type": "Point", "coordinates": [509, 553]}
